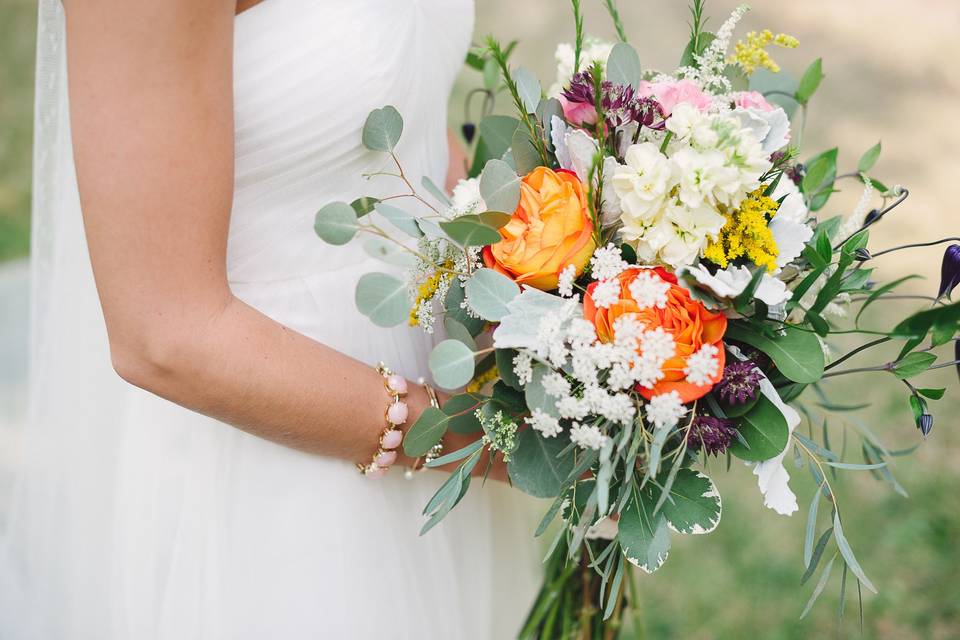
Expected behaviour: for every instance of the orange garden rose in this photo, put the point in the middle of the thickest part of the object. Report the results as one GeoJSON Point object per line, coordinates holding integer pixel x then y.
{"type": "Point", "coordinates": [687, 320]}
{"type": "Point", "coordinates": [550, 229]}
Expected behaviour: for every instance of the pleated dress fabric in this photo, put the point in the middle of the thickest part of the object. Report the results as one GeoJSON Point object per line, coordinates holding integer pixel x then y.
{"type": "Point", "coordinates": [136, 518]}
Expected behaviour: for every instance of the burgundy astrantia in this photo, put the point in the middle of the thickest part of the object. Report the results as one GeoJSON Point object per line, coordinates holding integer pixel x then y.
{"type": "Point", "coordinates": [711, 434]}
{"type": "Point", "coordinates": [740, 382]}
{"type": "Point", "coordinates": [620, 103]}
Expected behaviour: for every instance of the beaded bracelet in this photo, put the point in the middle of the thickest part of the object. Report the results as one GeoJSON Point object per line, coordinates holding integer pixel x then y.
{"type": "Point", "coordinates": [392, 436]}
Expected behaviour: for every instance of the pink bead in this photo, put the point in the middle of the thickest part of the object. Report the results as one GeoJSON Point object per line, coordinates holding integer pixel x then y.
{"type": "Point", "coordinates": [386, 459]}
{"type": "Point", "coordinates": [397, 413]}
{"type": "Point", "coordinates": [376, 473]}
{"type": "Point", "coordinates": [397, 384]}
{"type": "Point", "coordinates": [391, 439]}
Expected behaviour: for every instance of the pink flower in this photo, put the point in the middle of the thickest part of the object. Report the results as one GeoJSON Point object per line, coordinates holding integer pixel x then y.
{"type": "Point", "coordinates": [671, 93]}
{"type": "Point", "coordinates": [578, 113]}
{"type": "Point", "coordinates": [752, 100]}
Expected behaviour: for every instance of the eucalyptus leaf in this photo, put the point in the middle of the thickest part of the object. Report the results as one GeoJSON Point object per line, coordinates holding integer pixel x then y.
{"type": "Point", "coordinates": [623, 65]}
{"type": "Point", "coordinates": [535, 468]}
{"type": "Point", "coordinates": [435, 191]}
{"type": "Point", "coordinates": [810, 81]}
{"type": "Point", "coordinates": [847, 553]}
{"type": "Point", "coordinates": [869, 158]}
{"type": "Point", "coordinates": [488, 293]}
{"type": "Point", "coordinates": [382, 129]}
{"type": "Point", "coordinates": [336, 223]}
{"type": "Point", "coordinates": [536, 396]}
{"type": "Point", "coordinates": [364, 205]}
{"type": "Point", "coordinates": [470, 231]}
{"type": "Point", "coordinates": [528, 86]}
{"type": "Point", "coordinates": [402, 220]}
{"type": "Point", "coordinates": [382, 298]}
{"type": "Point", "coordinates": [462, 411]}
{"type": "Point", "coordinates": [500, 186]}
{"type": "Point", "coordinates": [452, 364]}
{"type": "Point", "coordinates": [457, 331]}
{"type": "Point", "coordinates": [388, 252]}
{"type": "Point", "coordinates": [427, 431]}
{"type": "Point", "coordinates": [526, 158]}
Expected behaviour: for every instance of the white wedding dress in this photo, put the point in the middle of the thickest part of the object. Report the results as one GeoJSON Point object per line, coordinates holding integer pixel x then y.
{"type": "Point", "coordinates": [137, 519]}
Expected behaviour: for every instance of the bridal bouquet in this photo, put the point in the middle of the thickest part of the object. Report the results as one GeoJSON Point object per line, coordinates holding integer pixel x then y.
{"type": "Point", "coordinates": [638, 277]}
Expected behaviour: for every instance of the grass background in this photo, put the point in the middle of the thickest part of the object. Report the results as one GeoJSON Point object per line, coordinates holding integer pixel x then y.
{"type": "Point", "coordinates": [890, 75]}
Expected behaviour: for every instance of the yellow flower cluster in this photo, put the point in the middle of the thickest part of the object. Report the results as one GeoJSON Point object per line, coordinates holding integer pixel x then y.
{"type": "Point", "coordinates": [425, 291]}
{"type": "Point", "coordinates": [482, 380]}
{"type": "Point", "coordinates": [751, 54]}
{"type": "Point", "coordinates": [747, 234]}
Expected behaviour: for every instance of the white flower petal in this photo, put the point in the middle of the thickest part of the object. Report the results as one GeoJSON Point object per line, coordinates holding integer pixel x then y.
{"type": "Point", "coordinates": [772, 476]}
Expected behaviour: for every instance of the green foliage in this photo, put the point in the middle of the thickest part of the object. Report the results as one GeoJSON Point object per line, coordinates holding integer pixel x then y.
{"type": "Point", "coordinates": [425, 432]}
{"type": "Point", "coordinates": [623, 65]}
{"type": "Point", "coordinates": [796, 353]}
{"type": "Point", "coordinates": [382, 129]}
{"type": "Point", "coordinates": [336, 223]}
{"type": "Point", "coordinates": [763, 433]}
{"type": "Point", "coordinates": [470, 231]}
{"type": "Point", "coordinates": [402, 220]}
{"type": "Point", "coordinates": [810, 81]}
{"type": "Point", "coordinates": [488, 293]}
{"type": "Point", "coordinates": [500, 186]}
{"type": "Point", "coordinates": [535, 467]}
{"type": "Point", "coordinates": [382, 298]}
{"type": "Point", "coordinates": [868, 159]}
{"type": "Point", "coordinates": [452, 364]}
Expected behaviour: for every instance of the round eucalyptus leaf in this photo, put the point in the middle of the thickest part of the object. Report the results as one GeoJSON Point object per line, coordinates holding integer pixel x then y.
{"type": "Point", "coordinates": [623, 65]}
{"type": "Point", "coordinates": [336, 223]}
{"type": "Point", "coordinates": [536, 396]}
{"type": "Point", "coordinates": [488, 293]}
{"type": "Point", "coordinates": [528, 86]}
{"type": "Point", "coordinates": [534, 467]}
{"type": "Point", "coordinates": [462, 411]}
{"type": "Point", "coordinates": [500, 186]}
{"type": "Point", "coordinates": [457, 331]}
{"type": "Point", "coordinates": [382, 130]}
{"type": "Point", "coordinates": [526, 158]}
{"type": "Point", "coordinates": [402, 220]}
{"type": "Point", "coordinates": [453, 304]}
{"type": "Point", "coordinates": [382, 298]}
{"type": "Point", "coordinates": [494, 219]}
{"type": "Point", "coordinates": [470, 231]}
{"type": "Point", "coordinates": [364, 205]}
{"type": "Point", "coordinates": [694, 503]}
{"type": "Point", "coordinates": [388, 252]}
{"type": "Point", "coordinates": [452, 364]}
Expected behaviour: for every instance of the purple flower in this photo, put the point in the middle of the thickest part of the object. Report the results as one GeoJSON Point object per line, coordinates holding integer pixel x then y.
{"type": "Point", "coordinates": [620, 103]}
{"type": "Point", "coordinates": [925, 424]}
{"type": "Point", "coordinates": [711, 434]}
{"type": "Point", "coordinates": [949, 270]}
{"type": "Point", "coordinates": [739, 383]}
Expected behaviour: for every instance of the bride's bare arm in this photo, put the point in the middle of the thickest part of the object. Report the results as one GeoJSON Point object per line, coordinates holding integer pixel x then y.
{"type": "Point", "coordinates": [151, 98]}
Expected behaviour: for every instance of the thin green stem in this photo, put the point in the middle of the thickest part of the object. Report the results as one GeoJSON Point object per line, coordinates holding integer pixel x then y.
{"type": "Point", "coordinates": [854, 352]}
{"type": "Point", "coordinates": [615, 16]}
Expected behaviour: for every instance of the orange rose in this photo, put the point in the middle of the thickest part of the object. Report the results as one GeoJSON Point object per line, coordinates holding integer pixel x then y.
{"type": "Point", "coordinates": [687, 320]}
{"type": "Point", "coordinates": [550, 229]}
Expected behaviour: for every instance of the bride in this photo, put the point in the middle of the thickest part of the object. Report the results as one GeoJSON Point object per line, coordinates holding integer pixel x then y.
{"type": "Point", "coordinates": [210, 490]}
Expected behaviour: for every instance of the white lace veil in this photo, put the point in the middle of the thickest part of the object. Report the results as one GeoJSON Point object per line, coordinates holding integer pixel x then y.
{"type": "Point", "coordinates": [72, 389]}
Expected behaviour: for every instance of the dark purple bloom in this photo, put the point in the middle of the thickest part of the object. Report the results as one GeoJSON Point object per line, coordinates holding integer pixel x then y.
{"type": "Point", "coordinates": [871, 217]}
{"type": "Point", "coordinates": [620, 103]}
{"type": "Point", "coordinates": [739, 383]}
{"type": "Point", "coordinates": [796, 173]}
{"type": "Point", "coordinates": [925, 424]}
{"type": "Point", "coordinates": [711, 434]}
{"type": "Point", "coordinates": [956, 353]}
{"type": "Point", "coordinates": [949, 270]}
{"type": "Point", "coordinates": [469, 130]}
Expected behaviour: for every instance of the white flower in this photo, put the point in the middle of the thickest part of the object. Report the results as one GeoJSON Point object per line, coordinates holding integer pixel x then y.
{"type": "Point", "coordinates": [684, 118]}
{"type": "Point", "coordinates": [657, 343]}
{"type": "Point", "coordinates": [772, 476]}
{"type": "Point", "coordinates": [606, 293]}
{"type": "Point", "coordinates": [642, 183]}
{"type": "Point", "coordinates": [627, 329]}
{"type": "Point", "coordinates": [522, 368]}
{"type": "Point", "coordinates": [705, 177]}
{"type": "Point", "coordinates": [547, 425]}
{"type": "Point", "coordinates": [575, 149]}
{"type": "Point", "coordinates": [572, 408]}
{"type": "Point", "coordinates": [556, 385]}
{"type": "Point", "coordinates": [665, 409]}
{"type": "Point", "coordinates": [607, 263]}
{"type": "Point", "coordinates": [581, 333]}
{"type": "Point", "coordinates": [649, 290]}
{"type": "Point", "coordinates": [727, 284]}
{"type": "Point", "coordinates": [565, 283]}
{"type": "Point", "coordinates": [619, 408]}
{"type": "Point", "coordinates": [771, 128]}
{"type": "Point", "coordinates": [789, 228]}
{"type": "Point", "coordinates": [466, 198]}
{"type": "Point", "coordinates": [587, 436]}
{"type": "Point", "coordinates": [610, 209]}
{"type": "Point", "coordinates": [703, 366]}
{"type": "Point", "coordinates": [584, 368]}
{"type": "Point", "coordinates": [593, 51]}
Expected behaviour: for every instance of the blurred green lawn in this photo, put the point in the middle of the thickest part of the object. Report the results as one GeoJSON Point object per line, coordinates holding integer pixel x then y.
{"type": "Point", "coordinates": [17, 37]}
{"type": "Point", "coordinates": [741, 581]}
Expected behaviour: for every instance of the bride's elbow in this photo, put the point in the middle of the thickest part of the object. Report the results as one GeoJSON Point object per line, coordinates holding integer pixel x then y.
{"type": "Point", "coordinates": [157, 362]}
